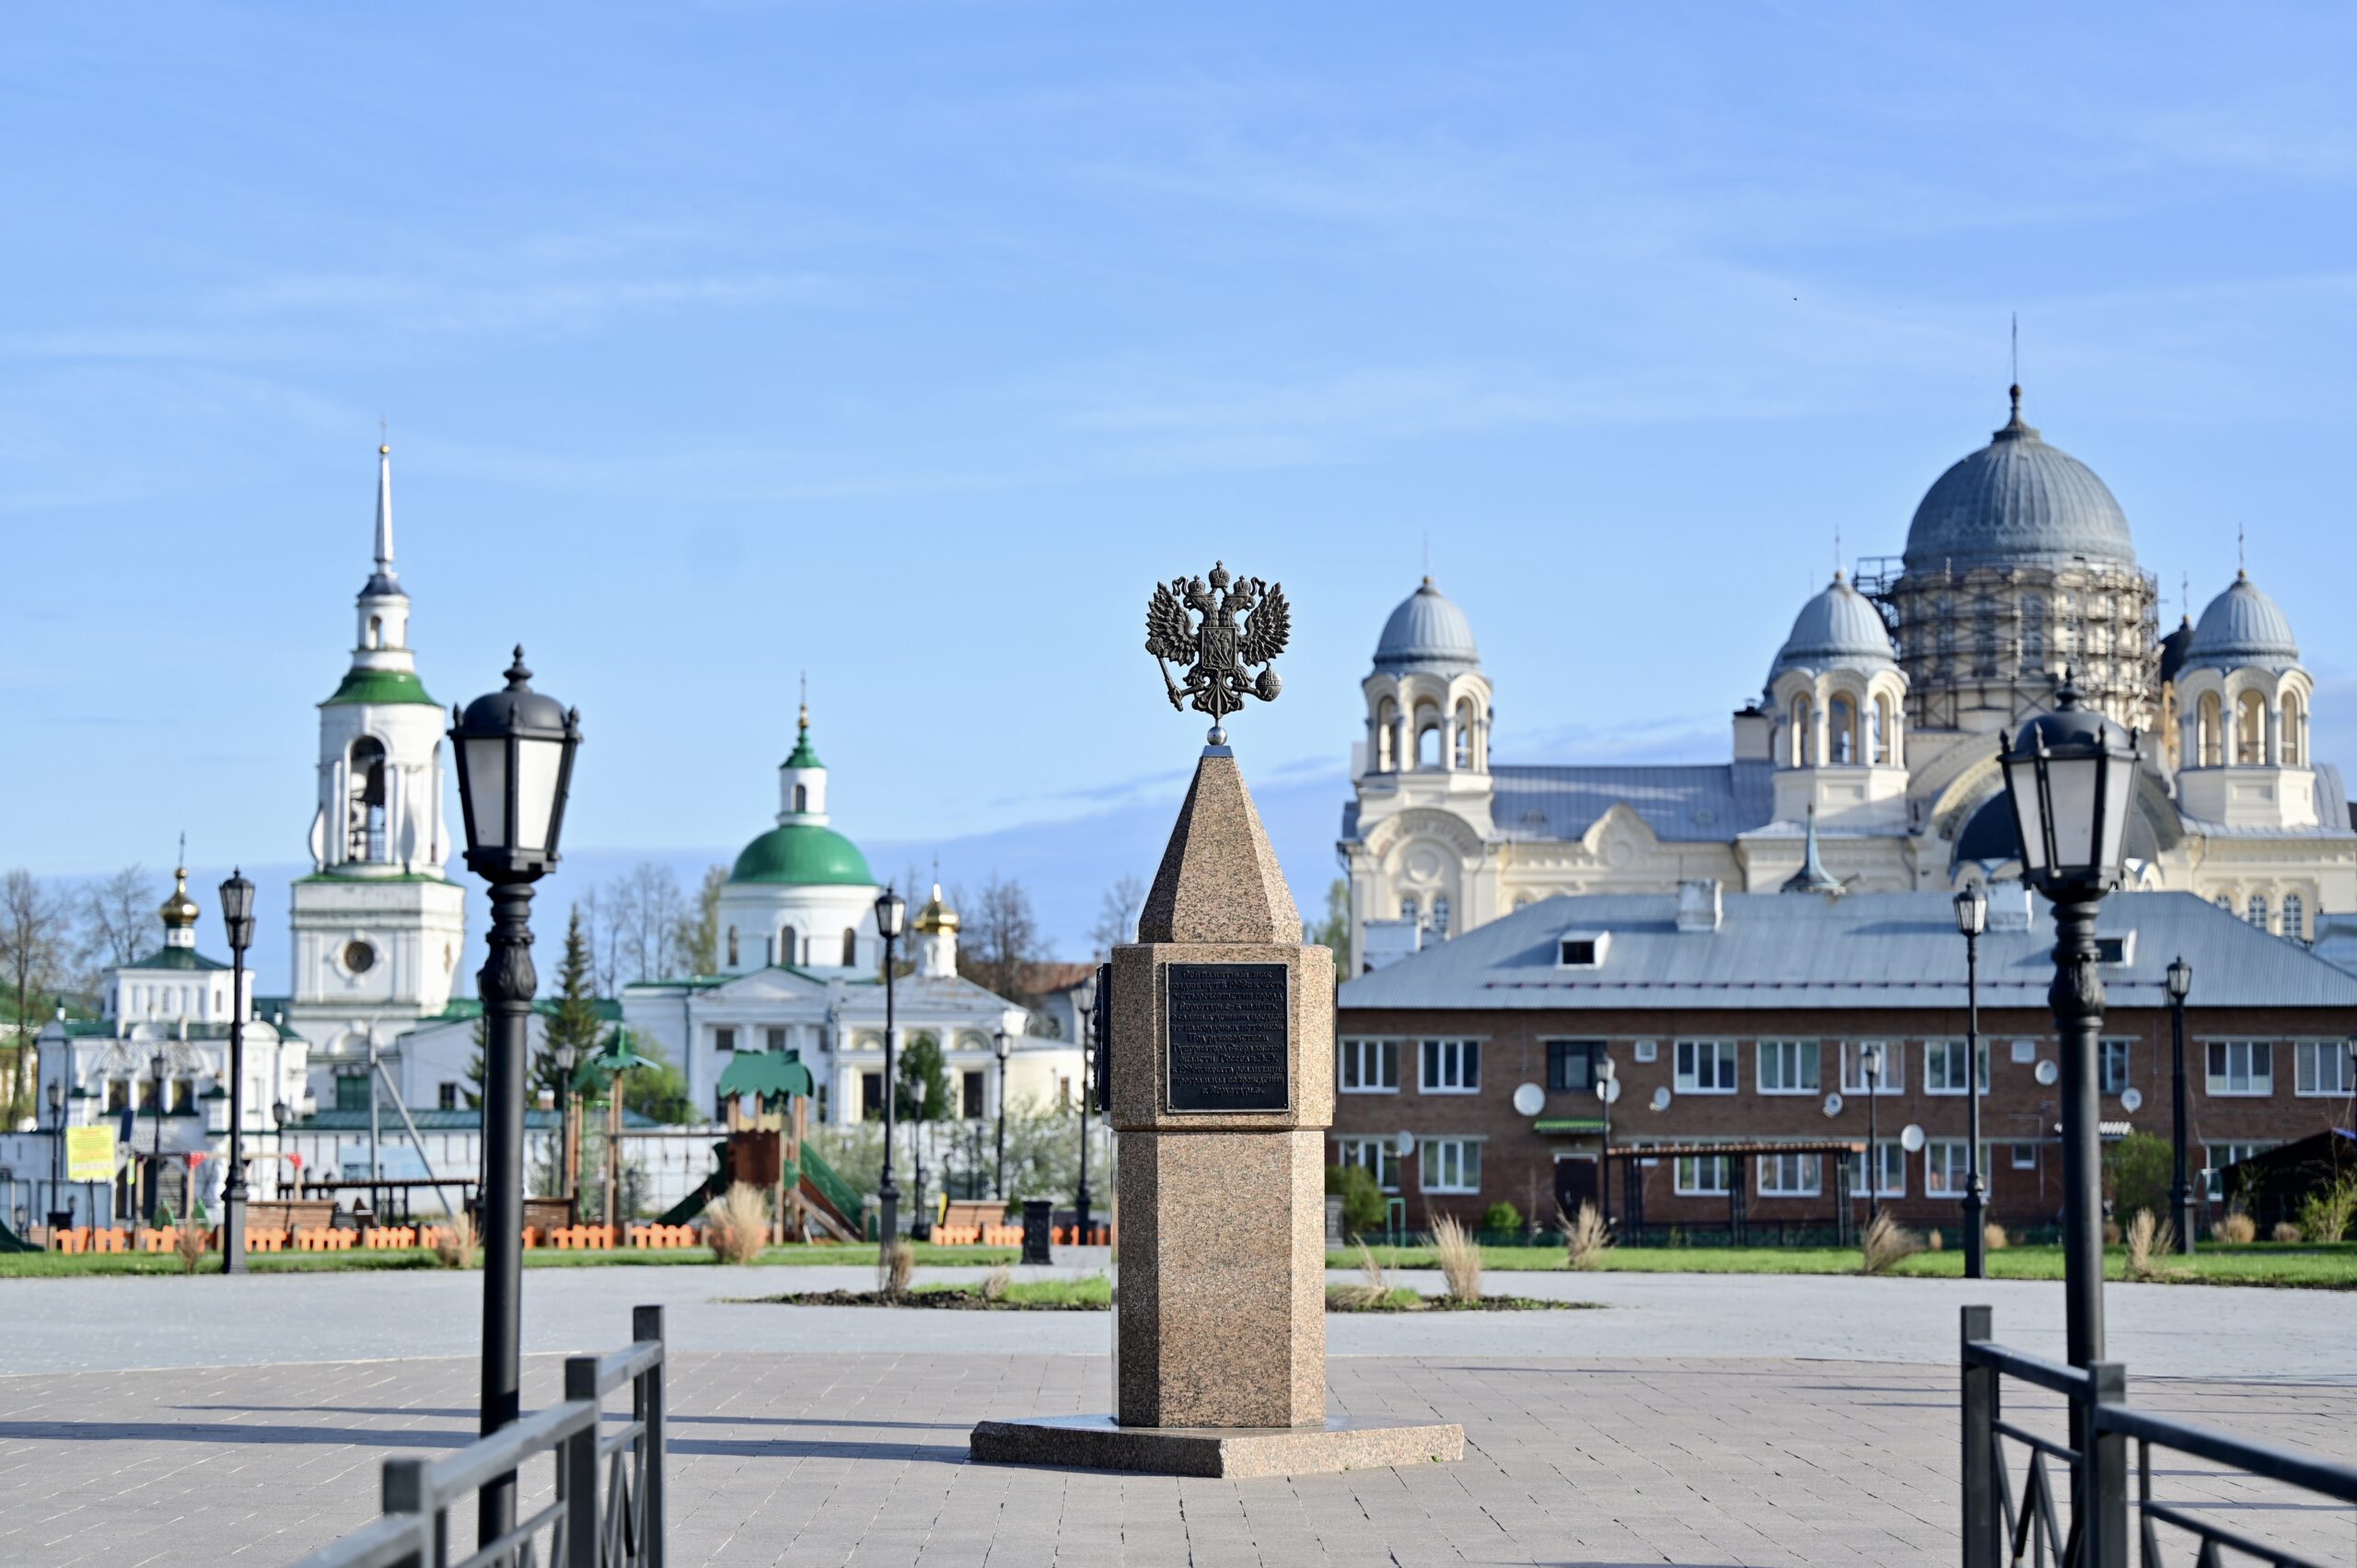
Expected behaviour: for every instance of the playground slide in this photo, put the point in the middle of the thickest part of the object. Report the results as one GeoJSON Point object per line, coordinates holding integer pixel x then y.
{"type": "Point", "coordinates": [820, 1186]}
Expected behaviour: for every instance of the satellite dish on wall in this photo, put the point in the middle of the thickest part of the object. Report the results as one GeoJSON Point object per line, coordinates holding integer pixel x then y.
{"type": "Point", "coordinates": [1661, 1100]}
{"type": "Point", "coordinates": [1530, 1100]}
{"type": "Point", "coordinates": [1609, 1091]}
{"type": "Point", "coordinates": [1833, 1104]}
{"type": "Point", "coordinates": [1403, 1142]}
{"type": "Point", "coordinates": [1910, 1138]}
{"type": "Point", "coordinates": [2047, 1072]}
{"type": "Point", "coordinates": [2131, 1100]}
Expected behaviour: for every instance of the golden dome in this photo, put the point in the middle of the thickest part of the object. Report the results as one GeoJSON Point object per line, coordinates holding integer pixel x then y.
{"type": "Point", "coordinates": [936, 915]}
{"type": "Point", "coordinates": [180, 911]}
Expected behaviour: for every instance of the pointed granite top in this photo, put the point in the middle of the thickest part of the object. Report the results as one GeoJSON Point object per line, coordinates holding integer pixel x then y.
{"type": "Point", "coordinates": [1219, 879]}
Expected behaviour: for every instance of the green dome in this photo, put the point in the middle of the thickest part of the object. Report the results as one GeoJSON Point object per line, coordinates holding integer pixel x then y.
{"type": "Point", "coordinates": [802, 853]}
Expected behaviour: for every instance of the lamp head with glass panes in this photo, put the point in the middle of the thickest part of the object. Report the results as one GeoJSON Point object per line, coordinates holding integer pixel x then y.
{"type": "Point", "coordinates": [2072, 777]}
{"type": "Point", "coordinates": [1971, 910]}
{"type": "Point", "coordinates": [2180, 979]}
{"type": "Point", "coordinates": [515, 754]}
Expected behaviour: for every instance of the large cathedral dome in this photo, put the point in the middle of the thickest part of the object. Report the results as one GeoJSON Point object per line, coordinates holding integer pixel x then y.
{"type": "Point", "coordinates": [1427, 632]}
{"type": "Point", "coordinates": [2017, 502]}
{"type": "Point", "coordinates": [802, 854]}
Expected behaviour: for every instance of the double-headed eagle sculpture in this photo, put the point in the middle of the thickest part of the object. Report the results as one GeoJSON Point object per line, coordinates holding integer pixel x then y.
{"type": "Point", "coordinates": [1244, 622]}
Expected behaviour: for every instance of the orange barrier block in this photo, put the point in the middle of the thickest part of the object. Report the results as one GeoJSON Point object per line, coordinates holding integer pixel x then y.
{"type": "Point", "coordinates": [265, 1241]}
{"type": "Point", "coordinates": [110, 1240]}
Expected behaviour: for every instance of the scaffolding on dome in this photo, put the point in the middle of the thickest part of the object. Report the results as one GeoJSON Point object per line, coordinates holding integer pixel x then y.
{"type": "Point", "coordinates": [1983, 648]}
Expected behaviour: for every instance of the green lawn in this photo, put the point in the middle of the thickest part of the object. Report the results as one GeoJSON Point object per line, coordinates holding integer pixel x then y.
{"type": "Point", "coordinates": [1091, 1290]}
{"type": "Point", "coordinates": [53, 1265]}
{"type": "Point", "coordinates": [2331, 1266]}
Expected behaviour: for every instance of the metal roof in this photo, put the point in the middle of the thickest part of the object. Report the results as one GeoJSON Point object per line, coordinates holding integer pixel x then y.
{"type": "Point", "coordinates": [2017, 502]}
{"type": "Point", "coordinates": [2242, 627]}
{"type": "Point", "coordinates": [1427, 632]}
{"type": "Point", "coordinates": [1708, 803]}
{"type": "Point", "coordinates": [1838, 628]}
{"type": "Point", "coordinates": [1862, 950]}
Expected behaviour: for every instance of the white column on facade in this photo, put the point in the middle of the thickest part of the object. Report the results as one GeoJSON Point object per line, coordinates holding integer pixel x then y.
{"type": "Point", "coordinates": [1403, 752]}
{"type": "Point", "coordinates": [2274, 734]}
{"type": "Point", "coordinates": [1448, 741]}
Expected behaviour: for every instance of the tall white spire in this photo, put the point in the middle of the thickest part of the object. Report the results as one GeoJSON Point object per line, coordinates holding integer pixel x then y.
{"type": "Point", "coordinates": [385, 513]}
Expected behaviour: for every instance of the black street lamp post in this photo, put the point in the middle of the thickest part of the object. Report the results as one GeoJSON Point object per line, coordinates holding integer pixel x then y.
{"type": "Point", "coordinates": [1870, 1061]}
{"type": "Point", "coordinates": [1971, 919]}
{"type": "Point", "coordinates": [513, 749]}
{"type": "Point", "coordinates": [237, 916]}
{"type": "Point", "coordinates": [1084, 1001]}
{"type": "Point", "coordinates": [890, 910]}
{"type": "Point", "coordinates": [2180, 985]}
{"type": "Point", "coordinates": [1608, 1089]}
{"type": "Point", "coordinates": [2072, 777]}
{"type": "Point", "coordinates": [155, 1067]}
{"type": "Point", "coordinates": [57, 1150]}
{"type": "Point", "coordinates": [998, 1176]}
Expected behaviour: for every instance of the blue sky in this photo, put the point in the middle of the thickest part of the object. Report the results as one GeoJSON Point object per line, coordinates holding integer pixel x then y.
{"type": "Point", "coordinates": [909, 344]}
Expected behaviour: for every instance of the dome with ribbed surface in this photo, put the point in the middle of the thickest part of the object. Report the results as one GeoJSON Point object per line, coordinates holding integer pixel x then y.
{"type": "Point", "coordinates": [2017, 502]}
{"type": "Point", "coordinates": [802, 854]}
{"type": "Point", "coordinates": [2243, 628]}
{"type": "Point", "coordinates": [1836, 629]}
{"type": "Point", "coordinates": [1427, 632]}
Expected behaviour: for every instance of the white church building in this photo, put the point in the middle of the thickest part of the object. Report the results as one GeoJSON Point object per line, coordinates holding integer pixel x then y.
{"type": "Point", "coordinates": [1874, 736]}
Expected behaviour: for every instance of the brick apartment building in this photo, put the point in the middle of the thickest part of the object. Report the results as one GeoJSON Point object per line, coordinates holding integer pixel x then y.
{"type": "Point", "coordinates": [1736, 1021]}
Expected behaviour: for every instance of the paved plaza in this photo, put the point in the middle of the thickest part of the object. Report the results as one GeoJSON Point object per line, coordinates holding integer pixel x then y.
{"type": "Point", "coordinates": [1691, 1420]}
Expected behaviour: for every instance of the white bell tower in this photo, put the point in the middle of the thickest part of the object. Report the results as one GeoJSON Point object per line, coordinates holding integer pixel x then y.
{"type": "Point", "coordinates": [378, 928]}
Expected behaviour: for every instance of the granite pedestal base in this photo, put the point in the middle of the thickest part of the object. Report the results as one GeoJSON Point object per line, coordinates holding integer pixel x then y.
{"type": "Point", "coordinates": [1098, 1443]}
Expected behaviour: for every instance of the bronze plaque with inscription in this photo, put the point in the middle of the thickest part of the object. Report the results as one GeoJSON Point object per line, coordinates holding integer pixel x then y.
{"type": "Point", "coordinates": [1227, 1037]}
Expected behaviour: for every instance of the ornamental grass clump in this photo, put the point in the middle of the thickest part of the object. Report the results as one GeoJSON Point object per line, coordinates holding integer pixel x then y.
{"type": "Point", "coordinates": [1586, 1237]}
{"type": "Point", "coordinates": [2237, 1229]}
{"type": "Point", "coordinates": [189, 1242]}
{"type": "Point", "coordinates": [738, 1228]}
{"type": "Point", "coordinates": [2150, 1240]}
{"type": "Point", "coordinates": [1995, 1239]}
{"type": "Point", "coordinates": [2324, 1212]}
{"type": "Point", "coordinates": [994, 1284]}
{"type": "Point", "coordinates": [895, 1264]}
{"type": "Point", "coordinates": [454, 1242]}
{"type": "Point", "coordinates": [2287, 1233]}
{"type": "Point", "coordinates": [1461, 1258]}
{"type": "Point", "coordinates": [1886, 1242]}
{"type": "Point", "coordinates": [1375, 1291]}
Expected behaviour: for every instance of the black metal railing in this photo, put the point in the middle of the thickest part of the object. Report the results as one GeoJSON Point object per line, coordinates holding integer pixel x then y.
{"type": "Point", "coordinates": [607, 1511]}
{"type": "Point", "coordinates": [2086, 1524]}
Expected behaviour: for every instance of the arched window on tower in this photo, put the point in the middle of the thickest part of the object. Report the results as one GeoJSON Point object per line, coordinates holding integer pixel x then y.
{"type": "Point", "coordinates": [1841, 730]}
{"type": "Point", "coordinates": [2255, 911]}
{"type": "Point", "coordinates": [375, 630]}
{"type": "Point", "coordinates": [732, 947]}
{"type": "Point", "coordinates": [1464, 723]}
{"type": "Point", "coordinates": [1387, 725]}
{"type": "Point", "coordinates": [850, 947]}
{"type": "Point", "coordinates": [802, 797]}
{"type": "Point", "coordinates": [1428, 743]}
{"type": "Point", "coordinates": [365, 838]}
{"type": "Point", "coordinates": [2210, 726]}
{"type": "Point", "coordinates": [2295, 729]}
{"type": "Point", "coordinates": [1879, 747]}
{"type": "Point", "coordinates": [1803, 751]}
{"type": "Point", "coordinates": [1411, 911]}
{"type": "Point", "coordinates": [789, 945]}
{"type": "Point", "coordinates": [2250, 729]}
{"type": "Point", "coordinates": [2295, 917]}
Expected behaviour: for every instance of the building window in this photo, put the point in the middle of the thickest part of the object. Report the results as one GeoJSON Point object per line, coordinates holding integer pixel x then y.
{"type": "Point", "coordinates": [1945, 1069]}
{"type": "Point", "coordinates": [732, 947]}
{"type": "Point", "coordinates": [1891, 1180]}
{"type": "Point", "coordinates": [1701, 1175]}
{"type": "Point", "coordinates": [1370, 1067]}
{"type": "Point", "coordinates": [2324, 1067]}
{"type": "Point", "coordinates": [1944, 1167]}
{"type": "Point", "coordinates": [2024, 1157]}
{"type": "Point", "coordinates": [2250, 729]}
{"type": "Point", "coordinates": [2111, 1071]}
{"type": "Point", "coordinates": [801, 797]}
{"type": "Point", "coordinates": [871, 1097]}
{"type": "Point", "coordinates": [1377, 1155]}
{"type": "Point", "coordinates": [1580, 953]}
{"type": "Point", "coordinates": [724, 1039]}
{"type": "Point", "coordinates": [1789, 1176]}
{"type": "Point", "coordinates": [1450, 1165]}
{"type": "Point", "coordinates": [789, 945]}
{"type": "Point", "coordinates": [2295, 917]}
{"type": "Point", "coordinates": [1788, 1067]}
{"type": "Point", "coordinates": [1440, 915]}
{"type": "Point", "coordinates": [820, 1108]}
{"type": "Point", "coordinates": [2255, 911]}
{"type": "Point", "coordinates": [1804, 734]}
{"type": "Point", "coordinates": [1705, 1066]}
{"type": "Point", "coordinates": [970, 1095]}
{"type": "Point", "coordinates": [446, 1096]}
{"type": "Point", "coordinates": [1452, 1067]}
{"type": "Point", "coordinates": [2220, 1155]}
{"type": "Point", "coordinates": [2242, 1067]}
{"type": "Point", "coordinates": [1841, 726]}
{"type": "Point", "coordinates": [118, 1096]}
{"type": "Point", "coordinates": [1572, 1065]}
{"type": "Point", "coordinates": [1412, 911]}
{"type": "Point", "coordinates": [352, 1092]}
{"type": "Point", "coordinates": [1889, 1081]}
{"type": "Point", "coordinates": [721, 1104]}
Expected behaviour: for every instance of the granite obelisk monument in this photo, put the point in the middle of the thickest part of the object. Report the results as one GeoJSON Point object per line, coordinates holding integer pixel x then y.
{"type": "Point", "coordinates": [1219, 1073]}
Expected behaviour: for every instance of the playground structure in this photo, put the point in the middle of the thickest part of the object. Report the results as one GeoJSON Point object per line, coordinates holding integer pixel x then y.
{"type": "Point", "coordinates": [768, 1148]}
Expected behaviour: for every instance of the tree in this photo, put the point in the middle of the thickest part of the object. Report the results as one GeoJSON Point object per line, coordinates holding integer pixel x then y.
{"type": "Point", "coordinates": [923, 1091]}
{"type": "Point", "coordinates": [33, 945]}
{"type": "Point", "coordinates": [649, 912]}
{"type": "Point", "coordinates": [1004, 937]}
{"type": "Point", "coordinates": [1334, 932]}
{"type": "Point", "coordinates": [601, 919]}
{"type": "Point", "coordinates": [699, 938]}
{"type": "Point", "coordinates": [1364, 1212]}
{"type": "Point", "coordinates": [476, 1069]}
{"type": "Point", "coordinates": [574, 1020]}
{"type": "Point", "coordinates": [117, 915]}
{"type": "Point", "coordinates": [659, 1090]}
{"type": "Point", "coordinates": [2139, 1169]}
{"type": "Point", "coordinates": [1117, 915]}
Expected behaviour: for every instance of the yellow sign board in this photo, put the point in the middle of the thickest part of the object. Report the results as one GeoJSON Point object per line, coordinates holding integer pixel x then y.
{"type": "Point", "coordinates": [89, 1154]}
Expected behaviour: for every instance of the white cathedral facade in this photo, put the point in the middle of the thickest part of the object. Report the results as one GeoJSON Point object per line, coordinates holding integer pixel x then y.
{"type": "Point", "coordinates": [1869, 759]}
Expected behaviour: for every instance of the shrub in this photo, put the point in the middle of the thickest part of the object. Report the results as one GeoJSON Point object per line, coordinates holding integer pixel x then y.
{"type": "Point", "coordinates": [2111, 1233]}
{"type": "Point", "coordinates": [2324, 1212]}
{"type": "Point", "coordinates": [1364, 1209]}
{"type": "Point", "coordinates": [1886, 1242]}
{"type": "Point", "coordinates": [1461, 1258]}
{"type": "Point", "coordinates": [2149, 1241]}
{"type": "Point", "coordinates": [2138, 1170]}
{"type": "Point", "coordinates": [1585, 1237]}
{"type": "Point", "coordinates": [994, 1284]}
{"type": "Point", "coordinates": [454, 1242]}
{"type": "Point", "coordinates": [2237, 1229]}
{"type": "Point", "coordinates": [738, 1228]}
{"type": "Point", "coordinates": [1502, 1219]}
{"type": "Point", "coordinates": [896, 1262]}
{"type": "Point", "coordinates": [2286, 1231]}
{"type": "Point", "coordinates": [1995, 1239]}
